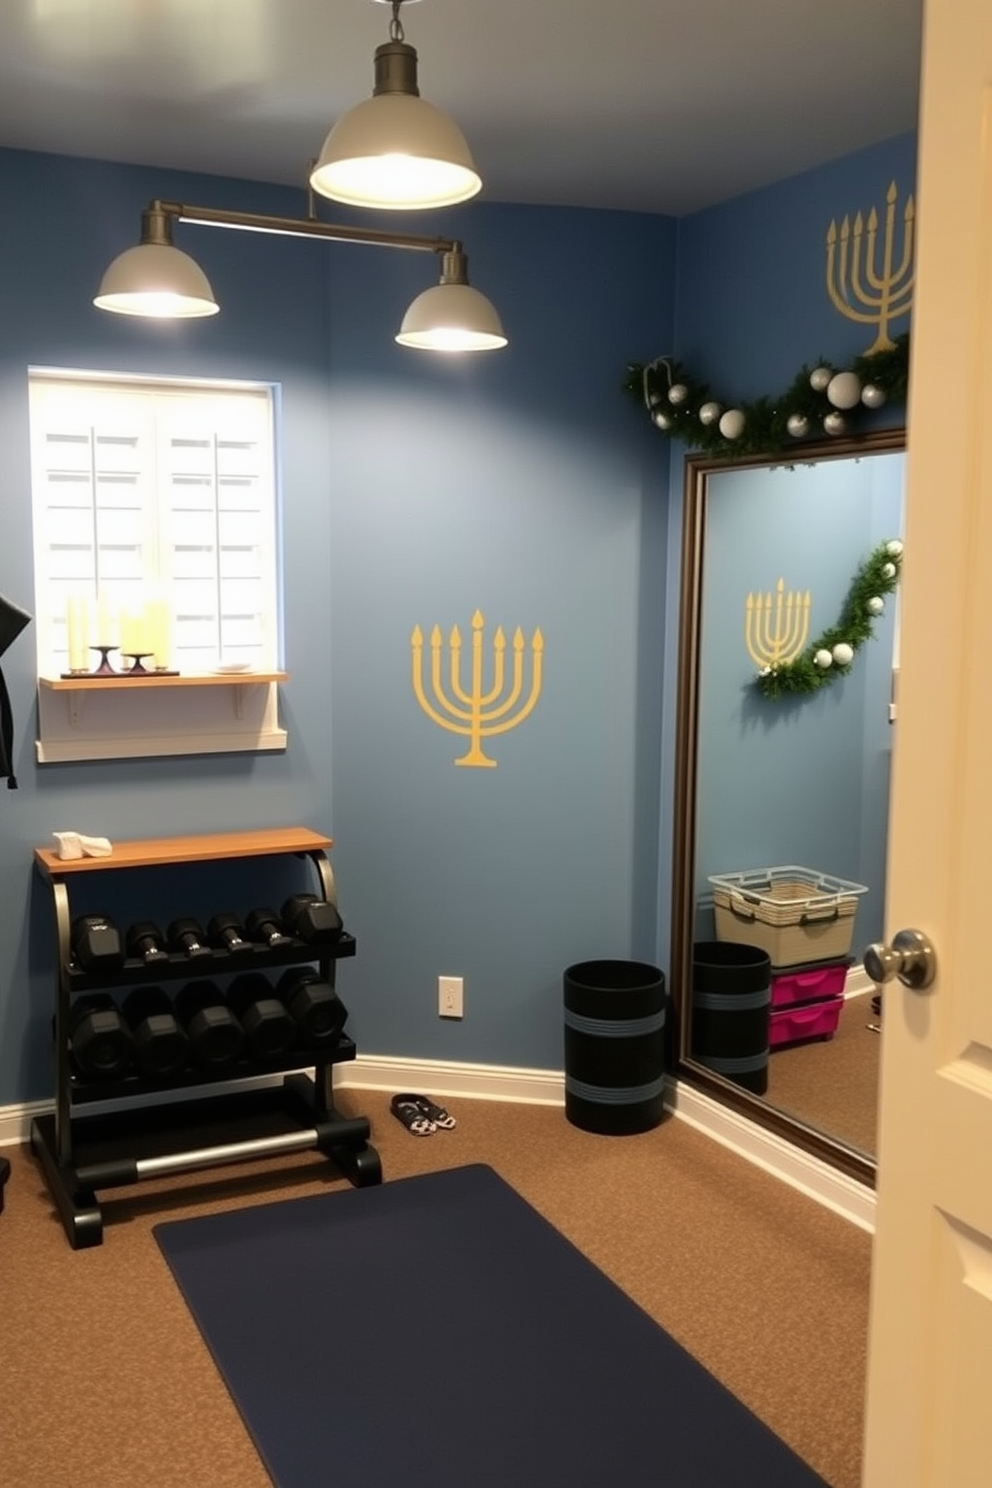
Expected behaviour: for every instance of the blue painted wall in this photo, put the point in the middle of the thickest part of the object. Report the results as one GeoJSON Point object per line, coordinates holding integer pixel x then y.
{"type": "Point", "coordinates": [522, 484]}
{"type": "Point", "coordinates": [752, 302]}
{"type": "Point", "coordinates": [415, 491]}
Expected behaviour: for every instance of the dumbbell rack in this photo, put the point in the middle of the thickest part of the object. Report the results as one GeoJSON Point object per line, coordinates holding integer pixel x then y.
{"type": "Point", "coordinates": [197, 1121]}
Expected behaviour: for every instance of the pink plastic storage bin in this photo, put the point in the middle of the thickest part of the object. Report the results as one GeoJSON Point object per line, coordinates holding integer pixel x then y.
{"type": "Point", "coordinates": [811, 1020]}
{"type": "Point", "coordinates": [809, 983]}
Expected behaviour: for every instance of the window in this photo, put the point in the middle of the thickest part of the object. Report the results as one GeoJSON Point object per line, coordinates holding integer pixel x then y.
{"type": "Point", "coordinates": [155, 527]}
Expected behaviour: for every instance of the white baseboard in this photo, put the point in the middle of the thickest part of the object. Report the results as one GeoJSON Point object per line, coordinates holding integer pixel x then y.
{"type": "Point", "coordinates": [835, 1190]}
{"type": "Point", "coordinates": [536, 1087]}
{"type": "Point", "coordinates": [843, 1195]}
{"type": "Point", "coordinates": [15, 1121]}
{"type": "Point", "coordinates": [858, 982]}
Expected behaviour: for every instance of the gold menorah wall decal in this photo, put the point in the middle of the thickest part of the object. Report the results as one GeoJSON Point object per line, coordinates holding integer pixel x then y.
{"type": "Point", "coordinates": [776, 630]}
{"type": "Point", "coordinates": [468, 710]}
{"type": "Point", "coordinates": [861, 287]}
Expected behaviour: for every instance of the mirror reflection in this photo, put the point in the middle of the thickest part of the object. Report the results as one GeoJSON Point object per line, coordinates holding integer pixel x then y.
{"type": "Point", "coordinates": [781, 857]}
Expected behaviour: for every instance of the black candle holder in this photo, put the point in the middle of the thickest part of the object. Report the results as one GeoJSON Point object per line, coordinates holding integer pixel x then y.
{"type": "Point", "coordinates": [104, 669]}
{"type": "Point", "coordinates": [136, 669]}
{"type": "Point", "coordinates": [136, 658]}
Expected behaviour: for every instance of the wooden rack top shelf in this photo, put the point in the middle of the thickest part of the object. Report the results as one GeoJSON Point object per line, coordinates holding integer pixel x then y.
{"type": "Point", "coordinates": [149, 852]}
{"type": "Point", "coordinates": [122, 682]}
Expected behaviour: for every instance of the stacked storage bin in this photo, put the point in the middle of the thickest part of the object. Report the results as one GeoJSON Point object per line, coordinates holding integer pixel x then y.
{"type": "Point", "coordinates": [804, 921]}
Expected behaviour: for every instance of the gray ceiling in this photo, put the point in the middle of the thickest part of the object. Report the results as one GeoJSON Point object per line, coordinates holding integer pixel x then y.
{"type": "Point", "coordinates": [649, 105]}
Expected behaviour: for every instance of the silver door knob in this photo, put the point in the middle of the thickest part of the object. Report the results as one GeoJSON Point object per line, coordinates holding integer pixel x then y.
{"type": "Point", "coordinates": [911, 957]}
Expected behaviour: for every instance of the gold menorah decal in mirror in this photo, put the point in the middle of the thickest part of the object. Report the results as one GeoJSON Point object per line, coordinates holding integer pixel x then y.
{"type": "Point", "coordinates": [860, 286]}
{"type": "Point", "coordinates": [468, 709]}
{"type": "Point", "coordinates": [776, 630]}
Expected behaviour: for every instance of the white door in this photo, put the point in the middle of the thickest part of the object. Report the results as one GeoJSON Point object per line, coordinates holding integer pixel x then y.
{"type": "Point", "coordinates": [930, 1354]}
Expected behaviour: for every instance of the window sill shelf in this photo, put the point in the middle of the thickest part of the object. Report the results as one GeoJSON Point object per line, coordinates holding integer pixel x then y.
{"type": "Point", "coordinates": [121, 681]}
{"type": "Point", "coordinates": [101, 717]}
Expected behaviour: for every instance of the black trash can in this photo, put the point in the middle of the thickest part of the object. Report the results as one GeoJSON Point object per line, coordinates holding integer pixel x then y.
{"type": "Point", "coordinates": [614, 1046]}
{"type": "Point", "coordinates": [731, 1007]}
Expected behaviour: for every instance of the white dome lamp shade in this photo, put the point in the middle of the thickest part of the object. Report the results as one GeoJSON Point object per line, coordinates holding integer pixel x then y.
{"type": "Point", "coordinates": [156, 280]}
{"type": "Point", "coordinates": [452, 316]}
{"type": "Point", "coordinates": [396, 151]}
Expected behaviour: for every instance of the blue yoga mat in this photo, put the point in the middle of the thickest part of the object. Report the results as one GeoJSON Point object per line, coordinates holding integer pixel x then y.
{"type": "Point", "coordinates": [437, 1332]}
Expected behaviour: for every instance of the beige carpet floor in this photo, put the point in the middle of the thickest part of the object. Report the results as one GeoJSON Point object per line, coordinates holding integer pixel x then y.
{"type": "Point", "coordinates": [833, 1083]}
{"type": "Point", "coordinates": [105, 1383]}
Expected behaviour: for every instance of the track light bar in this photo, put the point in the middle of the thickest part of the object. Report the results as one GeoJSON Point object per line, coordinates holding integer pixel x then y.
{"type": "Point", "coordinates": [156, 279]}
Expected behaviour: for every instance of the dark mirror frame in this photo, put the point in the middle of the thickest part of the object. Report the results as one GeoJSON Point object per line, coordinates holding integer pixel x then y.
{"type": "Point", "coordinates": [698, 468]}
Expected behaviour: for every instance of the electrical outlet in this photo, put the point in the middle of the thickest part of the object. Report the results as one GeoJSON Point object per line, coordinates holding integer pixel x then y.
{"type": "Point", "coordinates": [450, 994]}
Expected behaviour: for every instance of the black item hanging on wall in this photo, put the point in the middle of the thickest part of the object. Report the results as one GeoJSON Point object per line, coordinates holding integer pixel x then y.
{"type": "Point", "coordinates": [12, 622]}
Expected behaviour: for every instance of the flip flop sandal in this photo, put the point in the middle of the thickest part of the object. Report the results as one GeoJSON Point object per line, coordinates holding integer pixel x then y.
{"type": "Point", "coordinates": [437, 1114]}
{"type": "Point", "coordinates": [408, 1110]}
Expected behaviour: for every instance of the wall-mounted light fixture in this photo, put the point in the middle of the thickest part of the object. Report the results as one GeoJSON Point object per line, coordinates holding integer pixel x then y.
{"type": "Point", "coordinates": [157, 280]}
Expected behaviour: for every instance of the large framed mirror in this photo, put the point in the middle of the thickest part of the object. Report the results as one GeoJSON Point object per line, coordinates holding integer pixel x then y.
{"type": "Point", "coordinates": [771, 790]}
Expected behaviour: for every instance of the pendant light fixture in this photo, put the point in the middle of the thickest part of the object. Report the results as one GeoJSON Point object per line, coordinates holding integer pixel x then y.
{"type": "Point", "coordinates": [393, 151]}
{"type": "Point", "coordinates": [452, 316]}
{"type": "Point", "coordinates": [156, 279]}
{"type": "Point", "coordinates": [396, 151]}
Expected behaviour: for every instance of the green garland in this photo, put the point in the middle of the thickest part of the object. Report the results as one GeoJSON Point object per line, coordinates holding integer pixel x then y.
{"type": "Point", "coordinates": [674, 400]}
{"type": "Point", "coordinates": [832, 654]}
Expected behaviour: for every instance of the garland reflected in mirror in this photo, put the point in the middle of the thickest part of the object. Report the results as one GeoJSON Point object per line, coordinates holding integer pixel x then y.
{"type": "Point", "coordinates": [781, 824]}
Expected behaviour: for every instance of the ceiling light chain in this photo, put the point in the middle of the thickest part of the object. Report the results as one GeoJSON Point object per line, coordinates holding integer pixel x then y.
{"type": "Point", "coordinates": [396, 25]}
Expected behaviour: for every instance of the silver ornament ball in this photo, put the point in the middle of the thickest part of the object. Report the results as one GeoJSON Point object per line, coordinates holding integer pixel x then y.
{"type": "Point", "coordinates": [835, 424]}
{"type": "Point", "coordinates": [823, 659]}
{"type": "Point", "coordinates": [797, 425]}
{"type": "Point", "coordinates": [819, 379]}
{"type": "Point", "coordinates": [844, 390]}
{"type": "Point", "coordinates": [709, 413]}
{"type": "Point", "coordinates": [872, 396]}
{"type": "Point", "coordinates": [876, 605]}
{"type": "Point", "coordinates": [732, 424]}
{"type": "Point", "coordinates": [678, 392]}
{"type": "Point", "coordinates": [888, 570]}
{"type": "Point", "coordinates": [661, 420]}
{"type": "Point", "coordinates": [843, 654]}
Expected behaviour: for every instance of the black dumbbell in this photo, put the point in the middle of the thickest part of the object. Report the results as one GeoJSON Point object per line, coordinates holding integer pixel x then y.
{"type": "Point", "coordinates": [216, 1037]}
{"type": "Point", "coordinates": [263, 925]}
{"type": "Point", "coordinates": [161, 1047]}
{"type": "Point", "coordinates": [269, 1027]}
{"type": "Point", "coordinates": [99, 1038]}
{"type": "Point", "coordinates": [225, 932]}
{"type": "Point", "coordinates": [187, 937]}
{"type": "Point", "coordinates": [96, 943]}
{"type": "Point", "coordinates": [144, 941]}
{"type": "Point", "coordinates": [311, 919]}
{"type": "Point", "coordinates": [317, 1010]}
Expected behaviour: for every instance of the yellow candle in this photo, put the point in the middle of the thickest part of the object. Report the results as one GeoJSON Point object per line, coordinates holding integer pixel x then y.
{"type": "Point", "coordinates": [159, 622]}
{"type": "Point", "coordinates": [134, 641]}
{"type": "Point", "coordinates": [77, 629]}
